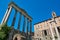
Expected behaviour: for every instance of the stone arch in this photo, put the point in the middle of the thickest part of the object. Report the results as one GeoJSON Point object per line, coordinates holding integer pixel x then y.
{"type": "Point", "coordinates": [18, 36]}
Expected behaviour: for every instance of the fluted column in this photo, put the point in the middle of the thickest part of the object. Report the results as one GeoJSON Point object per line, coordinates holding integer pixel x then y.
{"type": "Point", "coordinates": [6, 16]}
{"type": "Point", "coordinates": [19, 22]}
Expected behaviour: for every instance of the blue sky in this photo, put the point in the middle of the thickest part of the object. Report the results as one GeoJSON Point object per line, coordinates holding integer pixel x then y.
{"type": "Point", "coordinates": [39, 10]}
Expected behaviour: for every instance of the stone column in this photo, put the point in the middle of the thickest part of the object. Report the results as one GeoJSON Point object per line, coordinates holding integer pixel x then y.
{"type": "Point", "coordinates": [43, 33]}
{"type": "Point", "coordinates": [30, 29]}
{"type": "Point", "coordinates": [27, 25]}
{"type": "Point", "coordinates": [24, 24]}
{"type": "Point", "coordinates": [51, 31]}
{"type": "Point", "coordinates": [12, 30]}
{"type": "Point", "coordinates": [13, 22]}
{"type": "Point", "coordinates": [56, 30]}
{"type": "Point", "coordinates": [19, 22]}
{"type": "Point", "coordinates": [27, 28]}
{"type": "Point", "coordinates": [6, 16]}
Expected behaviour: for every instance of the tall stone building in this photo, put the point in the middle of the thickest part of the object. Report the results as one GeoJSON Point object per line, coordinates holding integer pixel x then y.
{"type": "Point", "coordinates": [48, 29]}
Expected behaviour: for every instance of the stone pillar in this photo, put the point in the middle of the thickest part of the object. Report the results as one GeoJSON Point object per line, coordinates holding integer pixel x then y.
{"type": "Point", "coordinates": [12, 30]}
{"type": "Point", "coordinates": [43, 33]}
{"type": "Point", "coordinates": [30, 29]}
{"type": "Point", "coordinates": [6, 16]}
{"type": "Point", "coordinates": [24, 24]}
{"type": "Point", "coordinates": [19, 22]}
{"type": "Point", "coordinates": [13, 22]}
{"type": "Point", "coordinates": [27, 25]}
{"type": "Point", "coordinates": [51, 31]}
{"type": "Point", "coordinates": [27, 28]}
{"type": "Point", "coordinates": [56, 30]}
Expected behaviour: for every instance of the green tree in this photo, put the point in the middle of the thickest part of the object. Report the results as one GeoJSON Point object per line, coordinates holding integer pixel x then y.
{"type": "Point", "coordinates": [4, 31]}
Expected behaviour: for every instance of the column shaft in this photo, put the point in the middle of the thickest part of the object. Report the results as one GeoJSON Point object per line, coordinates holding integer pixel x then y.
{"type": "Point", "coordinates": [30, 27]}
{"type": "Point", "coordinates": [13, 22]}
{"type": "Point", "coordinates": [56, 31]}
{"type": "Point", "coordinates": [6, 16]}
{"type": "Point", "coordinates": [53, 38]}
{"type": "Point", "coordinates": [24, 24]}
{"type": "Point", "coordinates": [19, 22]}
{"type": "Point", "coordinates": [27, 25]}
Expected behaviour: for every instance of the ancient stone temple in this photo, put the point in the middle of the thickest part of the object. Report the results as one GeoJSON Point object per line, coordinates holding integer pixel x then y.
{"type": "Point", "coordinates": [16, 34]}
{"type": "Point", "coordinates": [48, 29]}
